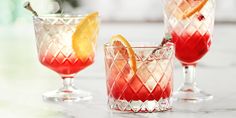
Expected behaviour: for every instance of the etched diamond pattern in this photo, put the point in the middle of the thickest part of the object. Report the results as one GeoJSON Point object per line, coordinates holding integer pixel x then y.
{"type": "Point", "coordinates": [192, 35]}
{"type": "Point", "coordinates": [54, 38]}
{"type": "Point", "coordinates": [142, 90]}
{"type": "Point", "coordinates": [54, 44]}
{"type": "Point", "coordinates": [173, 23]}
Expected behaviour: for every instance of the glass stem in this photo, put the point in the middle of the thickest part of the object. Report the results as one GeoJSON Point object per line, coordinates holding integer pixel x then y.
{"type": "Point", "coordinates": [68, 84]}
{"type": "Point", "coordinates": [189, 75]}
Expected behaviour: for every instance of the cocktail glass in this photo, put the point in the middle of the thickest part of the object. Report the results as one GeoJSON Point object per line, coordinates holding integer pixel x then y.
{"type": "Point", "coordinates": [55, 50]}
{"type": "Point", "coordinates": [190, 23]}
{"type": "Point", "coordinates": [147, 89]}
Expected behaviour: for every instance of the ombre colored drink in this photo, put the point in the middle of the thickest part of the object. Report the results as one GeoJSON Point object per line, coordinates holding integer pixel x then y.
{"type": "Point", "coordinates": [149, 88]}
{"type": "Point", "coordinates": [190, 24]}
{"type": "Point", "coordinates": [66, 44]}
{"type": "Point", "coordinates": [65, 64]}
{"type": "Point", "coordinates": [191, 30]}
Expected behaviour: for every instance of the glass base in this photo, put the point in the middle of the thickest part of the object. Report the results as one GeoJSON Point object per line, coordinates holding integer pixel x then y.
{"type": "Point", "coordinates": [191, 93]}
{"type": "Point", "coordinates": [139, 106]}
{"type": "Point", "coordinates": [67, 96]}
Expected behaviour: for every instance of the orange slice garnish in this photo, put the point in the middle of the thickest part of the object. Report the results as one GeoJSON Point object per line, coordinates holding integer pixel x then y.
{"type": "Point", "coordinates": [187, 7]}
{"type": "Point", "coordinates": [125, 49]}
{"type": "Point", "coordinates": [85, 37]}
{"type": "Point", "coordinates": [197, 7]}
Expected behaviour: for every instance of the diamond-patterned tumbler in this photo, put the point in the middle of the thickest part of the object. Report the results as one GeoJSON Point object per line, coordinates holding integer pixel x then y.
{"type": "Point", "coordinates": [149, 88]}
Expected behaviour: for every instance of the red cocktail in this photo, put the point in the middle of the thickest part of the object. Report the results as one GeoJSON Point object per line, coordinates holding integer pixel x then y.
{"type": "Point", "coordinates": [140, 87]}
{"type": "Point", "coordinates": [191, 47]}
{"type": "Point", "coordinates": [66, 44]}
{"type": "Point", "coordinates": [139, 79]}
{"type": "Point", "coordinates": [65, 65]}
{"type": "Point", "coordinates": [190, 25]}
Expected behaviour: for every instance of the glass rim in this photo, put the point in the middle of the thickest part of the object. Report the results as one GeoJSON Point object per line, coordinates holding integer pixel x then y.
{"type": "Point", "coordinates": [60, 16]}
{"type": "Point", "coordinates": [140, 45]}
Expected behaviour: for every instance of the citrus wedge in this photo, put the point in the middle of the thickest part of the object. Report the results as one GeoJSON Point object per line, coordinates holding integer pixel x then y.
{"type": "Point", "coordinates": [187, 7]}
{"type": "Point", "coordinates": [125, 49]}
{"type": "Point", "coordinates": [85, 37]}
{"type": "Point", "coordinates": [197, 6]}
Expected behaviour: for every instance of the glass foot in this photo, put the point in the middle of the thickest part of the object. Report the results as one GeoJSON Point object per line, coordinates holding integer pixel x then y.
{"type": "Point", "coordinates": [67, 96]}
{"type": "Point", "coordinates": [191, 94]}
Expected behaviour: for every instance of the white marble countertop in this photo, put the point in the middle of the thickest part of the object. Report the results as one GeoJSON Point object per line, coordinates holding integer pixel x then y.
{"type": "Point", "coordinates": [23, 79]}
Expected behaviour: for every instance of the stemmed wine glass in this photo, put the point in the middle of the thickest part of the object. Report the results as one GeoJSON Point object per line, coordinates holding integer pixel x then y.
{"type": "Point", "coordinates": [190, 24]}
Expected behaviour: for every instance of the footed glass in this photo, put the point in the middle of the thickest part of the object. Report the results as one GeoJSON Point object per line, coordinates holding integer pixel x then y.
{"type": "Point", "coordinates": [54, 43]}
{"type": "Point", "coordinates": [190, 24]}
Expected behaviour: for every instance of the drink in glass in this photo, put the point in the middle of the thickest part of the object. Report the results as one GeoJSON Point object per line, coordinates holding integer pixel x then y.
{"type": "Point", "coordinates": [58, 40]}
{"type": "Point", "coordinates": [190, 24]}
{"type": "Point", "coordinates": [140, 81]}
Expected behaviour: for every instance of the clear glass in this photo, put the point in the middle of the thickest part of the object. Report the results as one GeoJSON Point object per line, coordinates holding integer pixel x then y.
{"type": "Point", "coordinates": [54, 44]}
{"type": "Point", "coordinates": [149, 88]}
{"type": "Point", "coordinates": [192, 37]}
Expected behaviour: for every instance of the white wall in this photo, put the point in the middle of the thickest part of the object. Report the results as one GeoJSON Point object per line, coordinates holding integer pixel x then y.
{"type": "Point", "coordinates": [133, 10]}
{"type": "Point", "coordinates": [149, 9]}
